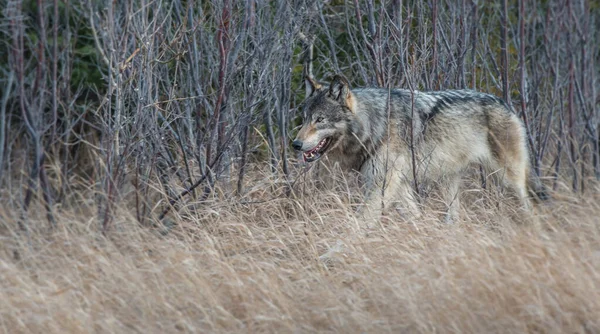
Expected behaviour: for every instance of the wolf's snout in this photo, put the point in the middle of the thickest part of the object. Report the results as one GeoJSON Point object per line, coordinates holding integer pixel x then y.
{"type": "Point", "coordinates": [297, 145]}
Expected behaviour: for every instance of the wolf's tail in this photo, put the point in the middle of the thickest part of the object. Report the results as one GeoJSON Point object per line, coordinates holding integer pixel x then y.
{"type": "Point", "coordinates": [536, 188]}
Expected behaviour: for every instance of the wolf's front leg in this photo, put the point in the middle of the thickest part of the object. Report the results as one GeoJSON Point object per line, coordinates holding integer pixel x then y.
{"type": "Point", "coordinates": [389, 189]}
{"type": "Point", "coordinates": [402, 197]}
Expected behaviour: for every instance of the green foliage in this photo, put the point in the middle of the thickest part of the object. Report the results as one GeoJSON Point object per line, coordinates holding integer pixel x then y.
{"type": "Point", "coordinates": [86, 72]}
{"type": "Point", "coordinates": [75, 44]}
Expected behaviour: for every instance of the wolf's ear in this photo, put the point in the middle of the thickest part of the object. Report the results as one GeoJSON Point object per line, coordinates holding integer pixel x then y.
{"type": "Point", "coordinates": [312, 85]}
{"type": "Point", "coordinates": [339, 89]}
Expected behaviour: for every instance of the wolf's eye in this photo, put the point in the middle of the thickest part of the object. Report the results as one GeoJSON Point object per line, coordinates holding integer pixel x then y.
{"type": "Point", "coordinates": [319, 119]}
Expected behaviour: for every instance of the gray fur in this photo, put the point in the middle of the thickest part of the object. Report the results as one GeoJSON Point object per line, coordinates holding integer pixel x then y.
{"type": "Point", "coordinates": [371, 130]}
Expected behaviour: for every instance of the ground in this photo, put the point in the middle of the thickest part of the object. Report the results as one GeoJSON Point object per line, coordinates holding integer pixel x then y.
{"type": "Point", "coordinates": [242, 265]}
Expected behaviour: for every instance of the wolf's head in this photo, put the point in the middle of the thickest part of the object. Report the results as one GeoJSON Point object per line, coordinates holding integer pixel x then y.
{"type": "Point", "coordinates": [328, 112]}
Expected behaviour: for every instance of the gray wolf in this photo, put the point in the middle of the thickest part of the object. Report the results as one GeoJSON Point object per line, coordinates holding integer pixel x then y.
{"type": "Point", "coordinates": [400, 140]}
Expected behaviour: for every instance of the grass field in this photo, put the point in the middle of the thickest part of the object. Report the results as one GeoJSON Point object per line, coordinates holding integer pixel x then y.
{"type": "Point", "coordinates": [249, 265]}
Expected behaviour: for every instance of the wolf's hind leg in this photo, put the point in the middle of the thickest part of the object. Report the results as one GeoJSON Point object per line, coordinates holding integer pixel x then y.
{"type": "Point", "coordinates": [516, 180]}
{"type": "Point", "coordinates": [450, 189]}
{"type": "Point", "coordinates": [509, 153]}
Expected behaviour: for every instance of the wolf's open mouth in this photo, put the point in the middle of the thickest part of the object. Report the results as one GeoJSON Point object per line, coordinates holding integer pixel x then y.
{"type": "Point", "coordinates": [316, 152]}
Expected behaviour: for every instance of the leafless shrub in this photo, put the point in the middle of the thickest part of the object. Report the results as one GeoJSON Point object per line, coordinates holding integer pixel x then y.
{"type": "Point", "coordinates": [192, 91]}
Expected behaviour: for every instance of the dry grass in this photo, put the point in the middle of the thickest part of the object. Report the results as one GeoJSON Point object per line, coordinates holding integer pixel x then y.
{"type": "Point", "coordinates": [253, 267]}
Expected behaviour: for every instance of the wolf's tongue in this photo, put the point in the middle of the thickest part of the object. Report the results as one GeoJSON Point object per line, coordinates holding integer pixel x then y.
{"type": "Point", "coordinates": [311, 154]}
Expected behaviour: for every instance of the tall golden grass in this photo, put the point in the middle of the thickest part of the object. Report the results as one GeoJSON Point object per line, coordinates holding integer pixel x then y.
{"type": "Point", "coordinates": [252, 264]}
